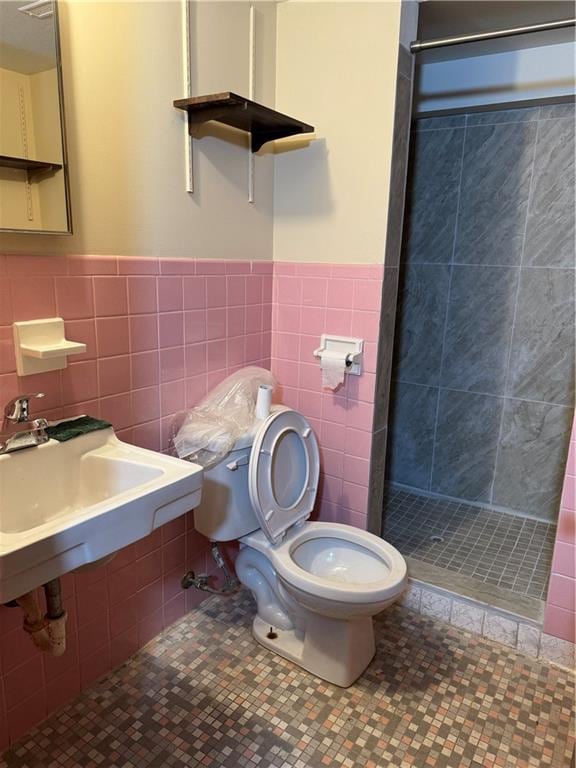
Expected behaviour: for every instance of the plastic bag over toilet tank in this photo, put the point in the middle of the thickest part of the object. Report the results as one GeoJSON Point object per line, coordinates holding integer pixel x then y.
{"type": "Point", "coordinates": [208, 432]}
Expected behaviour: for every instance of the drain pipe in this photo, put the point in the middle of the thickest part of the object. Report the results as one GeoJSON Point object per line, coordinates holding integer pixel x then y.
{"type": "Point", "coordinates": [34, 623]}
{"type": "Point", "coordinates": [56, 617]}
{"type": "Point", "coordinates": [202, 581]}
{"type": "Point", "coordinates": [48, 633]}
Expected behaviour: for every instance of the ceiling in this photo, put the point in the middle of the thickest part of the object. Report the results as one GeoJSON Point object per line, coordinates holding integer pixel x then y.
{"type": "Point", "coordinates": [443, 18]}
{"type": "Point", "coordinates": [27, 44]}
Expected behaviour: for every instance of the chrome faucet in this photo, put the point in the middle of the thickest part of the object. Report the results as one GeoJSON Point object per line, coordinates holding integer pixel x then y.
{"type": "Point", "coordinates": [18, 429]}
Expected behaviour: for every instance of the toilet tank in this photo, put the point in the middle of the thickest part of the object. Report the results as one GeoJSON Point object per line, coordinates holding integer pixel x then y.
{"type": "Point", "coordinates": [225, 512]}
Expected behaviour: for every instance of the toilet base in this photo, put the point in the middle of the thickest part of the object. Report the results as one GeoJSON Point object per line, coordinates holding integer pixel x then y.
{"type": "Point", "coordinates": [334, 650]}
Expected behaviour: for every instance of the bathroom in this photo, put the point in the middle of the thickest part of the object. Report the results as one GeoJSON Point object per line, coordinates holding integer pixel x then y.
{"type": "Point", "coordinates": [179, 257]}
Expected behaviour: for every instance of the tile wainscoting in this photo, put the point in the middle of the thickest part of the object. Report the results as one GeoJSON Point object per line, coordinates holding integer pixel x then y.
{"type": "Point", "coordinates": [159, 334]}
{"type": "Point", "coordinates": [311, 299]}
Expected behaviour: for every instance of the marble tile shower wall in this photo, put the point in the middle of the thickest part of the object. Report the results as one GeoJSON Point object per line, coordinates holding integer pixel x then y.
{"type": "Point", "coordinates": [484, 371]}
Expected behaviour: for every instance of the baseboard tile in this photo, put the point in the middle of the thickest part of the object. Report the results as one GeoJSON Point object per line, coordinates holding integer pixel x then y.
{"type": "Point", "coordinates": [504, 627]}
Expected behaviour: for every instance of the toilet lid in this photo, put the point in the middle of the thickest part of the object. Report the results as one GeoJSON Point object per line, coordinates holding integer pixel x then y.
{"type": "Point", "coordinates": [283, 472]}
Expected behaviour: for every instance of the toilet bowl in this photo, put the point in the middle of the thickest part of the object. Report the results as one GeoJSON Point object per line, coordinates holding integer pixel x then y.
{"type": "Point", "coordinates": [317, 585]}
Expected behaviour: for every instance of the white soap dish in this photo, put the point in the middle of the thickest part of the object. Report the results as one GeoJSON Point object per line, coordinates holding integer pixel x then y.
{"type": "Point", "coordinates": [41, 346]}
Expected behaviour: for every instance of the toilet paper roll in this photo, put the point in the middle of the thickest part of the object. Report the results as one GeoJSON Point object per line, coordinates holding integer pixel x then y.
{"type": "Point", "coordinates": [333, 365]}
{"type": "Point", "coordinates": [263, 401]}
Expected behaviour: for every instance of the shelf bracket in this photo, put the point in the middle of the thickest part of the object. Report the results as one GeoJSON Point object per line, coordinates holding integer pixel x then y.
{"type": "Point", "coordinates": [197, 119]}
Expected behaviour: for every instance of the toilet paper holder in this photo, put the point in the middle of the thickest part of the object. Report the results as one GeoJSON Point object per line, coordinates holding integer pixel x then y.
{"type": "Point", "coordinates": [350, 347]}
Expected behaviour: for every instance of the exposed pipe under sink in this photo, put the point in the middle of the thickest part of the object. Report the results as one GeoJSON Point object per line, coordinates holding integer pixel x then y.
{"type": "Point", "coordinates": [48, 632]}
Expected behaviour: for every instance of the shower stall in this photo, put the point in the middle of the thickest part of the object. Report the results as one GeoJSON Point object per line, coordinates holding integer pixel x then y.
{"type": "Point", "coordinates": [482, 394]}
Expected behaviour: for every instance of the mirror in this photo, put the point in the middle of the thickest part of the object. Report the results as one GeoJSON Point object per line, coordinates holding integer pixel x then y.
{"type": "Point", "coordinates": [34, 194]}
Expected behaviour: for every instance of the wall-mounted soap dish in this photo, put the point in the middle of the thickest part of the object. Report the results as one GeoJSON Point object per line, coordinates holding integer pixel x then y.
{"type": "Point", "coordinates": [41, 346]}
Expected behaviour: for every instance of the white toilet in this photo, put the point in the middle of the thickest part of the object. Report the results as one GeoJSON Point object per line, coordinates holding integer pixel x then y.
{"type": "Point", "coordinates": [317, 585]}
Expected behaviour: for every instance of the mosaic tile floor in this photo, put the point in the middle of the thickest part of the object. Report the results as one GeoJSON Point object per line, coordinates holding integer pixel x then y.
{"type": "Point", "coordinates": [511, 552]}
{"type": "Point", "coordinates": [204, 694]}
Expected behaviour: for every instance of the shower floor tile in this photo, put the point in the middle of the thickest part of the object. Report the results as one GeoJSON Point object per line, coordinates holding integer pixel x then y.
{"type": "Point", "coordinates": [507, 551]}
{"type": "Point", "coordinates": [204, 694]}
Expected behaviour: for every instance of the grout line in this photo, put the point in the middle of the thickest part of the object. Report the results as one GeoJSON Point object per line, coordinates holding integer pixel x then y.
{"type": "Point", "coordinates": [479, 266]}
{"type": "Point", "coordinates": [467, 115]}
{"type": "Point", "coordinates": [96, 354]}
{"type": "Point", "coordinates": [481, 505]}
{"type": "Point", "coordinates": [538, 560]}
{"type": "Point", "coordinates": [483, 394]}
{"type": "Point", "coordinates": [526, 547]}
{"type": "Point", "coordinates": [447, 312]}
{"type": "Point", "coordinates": [513, 327]}
{"type": "Point", "coordinates": [433, 457]}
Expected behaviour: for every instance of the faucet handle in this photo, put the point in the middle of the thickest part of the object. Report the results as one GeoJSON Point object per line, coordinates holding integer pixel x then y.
{"type": "Point", "coordinates": [18, 409]}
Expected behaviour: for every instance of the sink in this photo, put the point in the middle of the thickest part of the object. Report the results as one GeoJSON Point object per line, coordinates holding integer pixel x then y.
{"type": "Point", "coordinates": [64, 505]}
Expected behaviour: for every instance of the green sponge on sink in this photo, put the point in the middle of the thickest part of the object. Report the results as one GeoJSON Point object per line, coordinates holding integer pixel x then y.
{"type": "Point", "coordinates": [67, 430]}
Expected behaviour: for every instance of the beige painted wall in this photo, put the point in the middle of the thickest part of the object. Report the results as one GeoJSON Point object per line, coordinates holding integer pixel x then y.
{"type": "Point", "coordinates": [336, 69]}
{"type": "Point", "coordinates": [332, 64]}
{"type": "Point", "coordinates": [122, 69]}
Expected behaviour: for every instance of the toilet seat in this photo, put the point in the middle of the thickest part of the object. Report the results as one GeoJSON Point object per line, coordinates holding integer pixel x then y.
{"type": "Point", "coordinates": [283, 472]}
{"type": "Point", "coordinates": [350, 565]}
{"type": "Point", "coordinates": [368, 548]}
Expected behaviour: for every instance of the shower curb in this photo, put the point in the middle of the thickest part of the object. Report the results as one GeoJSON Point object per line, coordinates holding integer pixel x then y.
{"type": "Point", "coordinates": [479, 618]}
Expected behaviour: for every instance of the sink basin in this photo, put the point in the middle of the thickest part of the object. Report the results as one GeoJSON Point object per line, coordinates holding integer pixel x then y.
{"type": "Point", "coordinates": [63, 505]}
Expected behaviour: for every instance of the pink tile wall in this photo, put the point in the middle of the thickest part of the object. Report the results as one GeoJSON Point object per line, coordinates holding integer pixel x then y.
{"type": "Point", "coordinates": [310, 299]}
{"type": "Point", "coordinates": [560, 614]}
{"type": "Point", "coordinates": [159, 334]}
{"type": "Point", "coordinates": [112, 611]}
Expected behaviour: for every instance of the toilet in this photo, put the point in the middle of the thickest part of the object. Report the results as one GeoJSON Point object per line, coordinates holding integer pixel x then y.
{"type": "Point", "coordinates": [317, 585]}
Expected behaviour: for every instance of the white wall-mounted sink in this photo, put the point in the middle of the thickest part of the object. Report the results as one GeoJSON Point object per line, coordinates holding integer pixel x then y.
{"type": "Point", "coordinates": [63, 505]}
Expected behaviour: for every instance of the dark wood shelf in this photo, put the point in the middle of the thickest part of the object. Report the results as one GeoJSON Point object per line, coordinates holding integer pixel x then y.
{"type": "Point", "coordinates": [25, 164]}
{"type": "Point", "coordinates": [264, 124]}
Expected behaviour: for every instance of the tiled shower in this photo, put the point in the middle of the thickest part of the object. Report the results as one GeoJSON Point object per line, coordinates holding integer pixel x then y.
{"type": "Point", "coordinates": [483, 380]}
